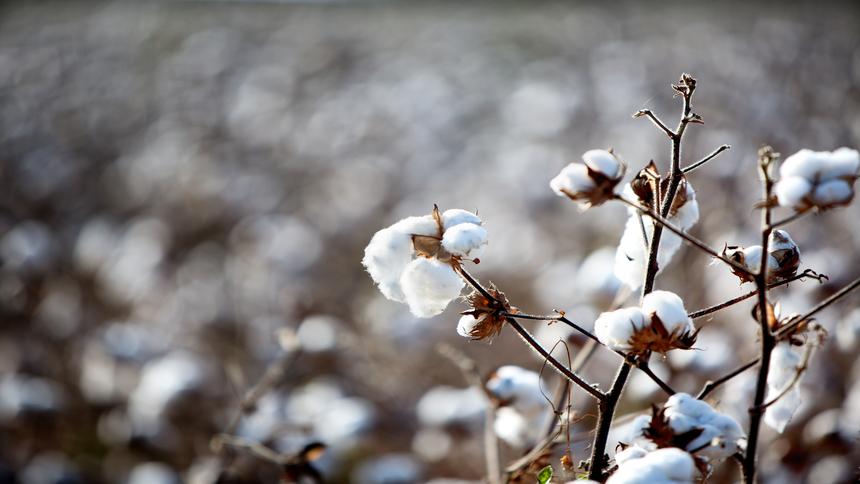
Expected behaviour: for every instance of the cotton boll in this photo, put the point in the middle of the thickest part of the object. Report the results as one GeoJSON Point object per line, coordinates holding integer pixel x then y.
{"type": "Point", "coordinates": [603, 162]}
{"type": "Point", "coordinates": [457, 216]}
{"type": "Point", "coordinates": [630, 453]}
{"type": "Point", "coordinates": [792, 191]}
{"type": "Point", "coordinates": [778, 415]}
{"type": "Point", "coordinates": [844, 162]}
{"type": "Point", "coordinates": [631, 257]}
{"type": "Point", "coordinates": [688, 214]}
{"type": "Point", "coordinates": [784, 362]}
{"type": "Point", "coordinates": [466, 325]}
{"type": "Point", "coordinates": [385, 258]}
{"type": "Point", "coordinates": [663, 466]}
{"type": "Point", "coordinates": [465, 240]}
{"type": "Point", "coordinates": [752, 259]}
{"type": "Point", "coordinates": [670, 309]}
{"type": "Point", "coordinates": [513, 428]}
{"type": "Point", "coordinates": [421, 225]}
{"type": "Point", "coordinates": [616, 328]}
{"type": "Point", "coordinates": [686, 413]}
{"type": "Point", "coordinates": [832, 192]}
{"type": "Point", "coordinates": [428, 286]}
{"type": "Point", "coordinates": [572, 179]}
{"type": "Point", "coordinates": [805, 164]}
{"type": "Point", "coordinates": [520, 387]}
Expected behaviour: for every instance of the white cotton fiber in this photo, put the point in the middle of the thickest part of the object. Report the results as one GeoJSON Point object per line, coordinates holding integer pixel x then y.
{"type": "Point", "coordinates": [428, 286]}
{"type": "Point", "coordinates": [465, 240]}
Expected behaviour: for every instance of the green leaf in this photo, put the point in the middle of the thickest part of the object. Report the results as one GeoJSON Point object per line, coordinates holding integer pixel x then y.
{"type": "Point", "coordinates": [545, 475]}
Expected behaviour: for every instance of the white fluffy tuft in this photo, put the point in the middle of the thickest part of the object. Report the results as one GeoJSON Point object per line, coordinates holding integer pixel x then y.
{"type": "Point", "coordinates": [428, 286]}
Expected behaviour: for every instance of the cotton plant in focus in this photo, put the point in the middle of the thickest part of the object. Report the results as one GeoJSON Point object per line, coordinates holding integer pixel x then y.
{"type": "Point", "coordinates": [521, 404]}
{"type": "Point", "coordinates": [783, 257]}
{"type": "Point", "coordinates": [413, 261]}
{"type": "Point", "coordinates": [659, 325]}
{"type": "Point", "coordinates": [631, 257]}
{"type": "Point", "coordinates": [663, 466]}
{"type": "Point", "coordinates": [818, 179]}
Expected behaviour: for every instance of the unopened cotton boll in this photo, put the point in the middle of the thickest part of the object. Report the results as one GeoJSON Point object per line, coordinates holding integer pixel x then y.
{"type": "Point", "coordinates": [615, 329]}
{"type": "Point", "coordinates": [465, 240]}
{"type": "Point", "coordinates": [429, 285]}
{"type": "Point", "coordinates": [663, 466]}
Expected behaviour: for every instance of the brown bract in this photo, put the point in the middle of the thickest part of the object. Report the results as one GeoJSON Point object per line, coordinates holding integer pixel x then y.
{"type": "Point", "coordinates": [660, 432]}
{"type": "Point", "coordinates": [604, 188]}
{"type": "Point", "coordinates": [430, 246]}
{"type": "Point", "coordinates": [655, 338]}
{"type": "Point", "coordinates": [648, 187]}
{"type": "Point", "coordinates": [735, 253]}
{"type": "Point", "coordinates": [489, 313]}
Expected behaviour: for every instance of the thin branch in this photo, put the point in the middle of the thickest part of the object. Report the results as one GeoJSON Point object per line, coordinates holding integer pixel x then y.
{"type": "Point", "coordinates": [684, 235]}
{"type": "Point", "coordinates": [706, 159]}
{"type": "Point", "coordinates": [731, 302]}
{"type": "Point", "coordinates": [558, 317]}
{"type": "Point", "coordinates": [257, 449]}
{"type": "Point", "coordinates": [646, 368]}
{"type": "Point", "coordinates": [786, 330]}
{"type": "Point", "coordinates": [712, 385]}
{"type": "Point", "coordinates": [654, 119]}
{"type": "Point", "coordinates": [573, 377]}
{"type": "Point", "coordinates": [789, 219]}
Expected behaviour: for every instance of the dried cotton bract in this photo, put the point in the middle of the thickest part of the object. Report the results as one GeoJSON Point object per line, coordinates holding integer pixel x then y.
{"type": "Point", "coordinates": [663, 466]}
{"type": "Point", "coordinates": [413, 260]}
{"type": "Point", "coordinates": [820, 179]}
{"type": "Point", "coordinates": [661, 324]}
{"type": "Point", "coordinates": [592, 182]}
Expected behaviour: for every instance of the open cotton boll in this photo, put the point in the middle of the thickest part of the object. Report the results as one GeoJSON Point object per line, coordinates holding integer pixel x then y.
{"type": "Point", "coordinates": [687, 413]}
{"type": "Point", "coordinates": [417, 225]}
{"type": "Point", "coordinates": [603, 162]}
{"type": "Point", "coordinates": [844, 162]}
{"type": "Point", "coordinates": [784, 361]}
{"type": "Point", "coordinates": [616, 328]}
{"type": "Point", "coordinates": [663, 466]}
{"type": "Point", "coordinates": [573, 179]}
{"type": "Point", "coordinates": [457, 216]}
{"type": "Point", "coordinates": [429, 285]}
{"type": "Point", "coordinates": [630, 453]}
{"type": "Point", "coordinates": [465, 240]}
{"type": "Point", "coordinates": [631, 257]}
{"type": "Point", "coordinates": [792, 191]}
{"type": "Point", "coordinates": [805, 163]}
{"type": "Point", "coordinates": [385, 258]}
{"type": "Point", "coordinates": [832, 192]}
{"type": "Point", "coordinates": [518, 386]}
{"type": "Point", "coordinates": [670, 309]}
{"type": "Point", "coordinates": [514, 428]}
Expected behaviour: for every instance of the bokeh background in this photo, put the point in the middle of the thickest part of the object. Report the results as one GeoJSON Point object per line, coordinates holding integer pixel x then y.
{"type": "Point", "coordinates": [187, 188]}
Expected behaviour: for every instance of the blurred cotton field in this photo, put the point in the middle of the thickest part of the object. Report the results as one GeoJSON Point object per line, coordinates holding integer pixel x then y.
{"type": "Point", "coordinates": [187, 189]}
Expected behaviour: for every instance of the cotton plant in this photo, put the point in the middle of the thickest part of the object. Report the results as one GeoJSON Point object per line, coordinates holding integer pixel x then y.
{"type": "Point", "coordinates": [421, 260]}
{"type": "Point", "coordinates": [660, 324]}
{"type": "Point", "coordinates": [817, 179]}
{"type": "Point", "coordinates": [414, 261]}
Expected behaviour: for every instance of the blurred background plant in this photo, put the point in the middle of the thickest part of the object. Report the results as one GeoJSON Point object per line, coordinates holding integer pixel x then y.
{"type": "Point", "coordinates": [184, 182]}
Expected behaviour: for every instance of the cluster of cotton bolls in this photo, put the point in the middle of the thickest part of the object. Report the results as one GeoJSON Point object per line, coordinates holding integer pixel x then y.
{"type": "Point", "coordinates": [817, 179]}
{"type": "Point", "coordinates": [412, 260]}
{"type": "Point", "coordinates": [631, 257]}
{"type": "Point", "coordinates": [659, 324]}
{"type": "Point", "coordinates": [522, 405]}
{"type": "Point", "coordinates": [783, 257]}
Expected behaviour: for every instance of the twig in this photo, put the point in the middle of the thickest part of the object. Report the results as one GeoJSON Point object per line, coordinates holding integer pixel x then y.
{"type": "Point", "coordinates": [789, 219]}
{"type": "Point", "coordinates": [654, 119]}
{"type": "Point", "coordinates": [706, 159]}
{"type": "Point", "coordinates": [786, 330]}
{"type": "Point", "coordinates": [257, 449]}
{"type": "Point", "coordinates": [559, 317]}
{"type": "Point", "coordinates": [731, 302]}
{"type": "Point", "coordinates": [712, 385]}
{"type": "Point", "coordinates": [643, 365]}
